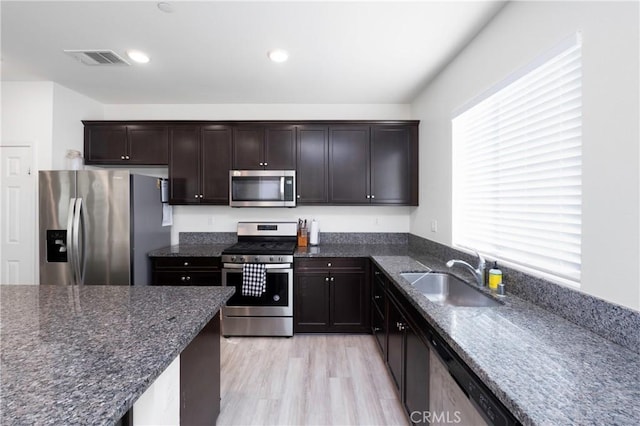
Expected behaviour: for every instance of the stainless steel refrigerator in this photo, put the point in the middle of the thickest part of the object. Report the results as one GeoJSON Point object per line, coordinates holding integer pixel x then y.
{"type": "Point", "coordinates": [96, 227]}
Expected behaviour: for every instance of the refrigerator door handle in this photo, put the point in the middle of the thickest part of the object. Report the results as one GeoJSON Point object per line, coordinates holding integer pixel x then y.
{"type": "Point", "coordinates": [71, 250]}
{"type": "Point", "coordinates": [79, 240]}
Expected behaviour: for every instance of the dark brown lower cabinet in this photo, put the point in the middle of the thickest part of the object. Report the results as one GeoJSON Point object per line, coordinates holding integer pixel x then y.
{"type": "Point", "coordinates": [200, 377]}
{"type": "Point", "coordinates": [405, 347]}
{"type": "Point", "coordinates": [331, 295]}
{"type": "Point", "coordinates": [186, 271]}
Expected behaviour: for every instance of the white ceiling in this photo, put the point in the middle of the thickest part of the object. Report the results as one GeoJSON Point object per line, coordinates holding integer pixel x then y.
{"type": "Point", "coordinates": [216, 52]}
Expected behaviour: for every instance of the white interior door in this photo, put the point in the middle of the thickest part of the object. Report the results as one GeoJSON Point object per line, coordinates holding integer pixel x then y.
{"type": "Point", "coordinates": [17, 216]}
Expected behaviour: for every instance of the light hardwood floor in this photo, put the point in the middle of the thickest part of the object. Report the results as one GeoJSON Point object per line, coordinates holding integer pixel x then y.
{"type": "Point", "coordinates": [306, 380]}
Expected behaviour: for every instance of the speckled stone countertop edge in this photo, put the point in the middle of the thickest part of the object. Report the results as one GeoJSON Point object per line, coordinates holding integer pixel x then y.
{"type": "Point", "coordinates": [170, 356]}
{"type": "Point", "coordinates": [92, 344]}
{"type": "Point", "coordinates": [523, 395]}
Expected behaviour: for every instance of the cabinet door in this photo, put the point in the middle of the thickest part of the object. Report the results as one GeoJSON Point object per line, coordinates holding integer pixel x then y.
{"type": "Point", "coordinates": [349, 165]}
{"type": "Point", "coordinates": [349, 302]}
{"type": "Point", "coordinates": [216, 162]}
{"type": "Point", "coordinates": [395, 344]}
{"type": "Point", "coordinates": [416, 373]}
{"type": "Point", "coordinates": [393, 152]}
{"type": "Point", "coordinates": [313, 169]}
{"type": "Point", "coordinates": [379, 330]}
{"type": "Point", "coordinates": [311, 302]}
{"type": "Point", "coordinates": [148, 145]}
{"type": "Point", "coordinates": [248, 143]}
{"type": "Point", "coordinates": [184, 165]}
{"type": "Point", "coordinates": [280, 148]}
{"type": "Point", "coordinates": [105, 144]}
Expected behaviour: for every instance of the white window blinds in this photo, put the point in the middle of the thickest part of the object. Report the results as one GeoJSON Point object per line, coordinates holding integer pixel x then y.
{"type": "Point", "coordinates": [517, 168]}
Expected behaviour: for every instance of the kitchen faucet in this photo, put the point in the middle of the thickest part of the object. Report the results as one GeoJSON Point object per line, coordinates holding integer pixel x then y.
{"type": "Point", "coordinates": [477, 272]}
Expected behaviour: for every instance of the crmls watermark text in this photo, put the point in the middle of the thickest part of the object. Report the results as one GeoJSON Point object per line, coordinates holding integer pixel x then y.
{"type": "Point", "coordinates": [435, 417]}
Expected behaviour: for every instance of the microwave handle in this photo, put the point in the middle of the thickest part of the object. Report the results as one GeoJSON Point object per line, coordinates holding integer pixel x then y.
{"type": "Point", "coordinates": [282, 188]}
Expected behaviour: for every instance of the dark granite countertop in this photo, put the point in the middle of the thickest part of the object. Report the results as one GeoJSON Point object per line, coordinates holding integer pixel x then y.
{"type": "Point", "coordinates": [545, 369]}
{"type": "Point", "coordinates": [190, 250]}
{"type": "Point", "coordinates": [84, 354]}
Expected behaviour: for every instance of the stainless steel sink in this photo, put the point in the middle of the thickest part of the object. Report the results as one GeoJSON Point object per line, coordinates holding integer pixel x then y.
{"type": "Point", "coordinates": [447, 289]}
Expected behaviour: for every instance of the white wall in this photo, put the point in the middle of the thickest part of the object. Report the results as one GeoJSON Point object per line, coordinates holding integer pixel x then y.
{"type": "Point", "coordinates": [330, 219]}
{"type": "Point", "coordinates": [27, 118]}
{"type": "Point", "coordinates": [224, 219]}
{"type": "Point", "coordinates": [47, 117]}
{"type": "Point", "coordinates": [69, 108]}
{"type": "Point", "coordinates": [611, 111]}
{"type": "Point", "coordinates": [257, 112]}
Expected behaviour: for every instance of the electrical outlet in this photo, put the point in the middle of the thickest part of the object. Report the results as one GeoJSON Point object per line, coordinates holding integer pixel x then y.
{"type": "Point", "coordinates": [434, 226]}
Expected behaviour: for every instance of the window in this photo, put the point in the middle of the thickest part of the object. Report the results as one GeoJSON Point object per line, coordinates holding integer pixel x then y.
{"type": "Point", "coordinates": [517, 168]}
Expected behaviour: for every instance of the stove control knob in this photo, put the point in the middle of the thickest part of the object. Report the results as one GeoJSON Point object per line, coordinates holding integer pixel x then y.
{"type": "Point", "coordinates": [271, 259]}
{"type": "Point", "coordinates": [257, 259]}
{"type": "Point", "coordinates": [233, 258]}
{"type": "Point", "coordinates": [241, 259]}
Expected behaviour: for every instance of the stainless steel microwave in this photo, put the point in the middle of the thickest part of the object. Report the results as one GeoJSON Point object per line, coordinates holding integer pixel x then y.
{"type": "Point", "coordinates": [262, 188]}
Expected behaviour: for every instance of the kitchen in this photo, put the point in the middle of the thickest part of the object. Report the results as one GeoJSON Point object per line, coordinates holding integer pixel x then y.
{"type": "Point", "coordinates": [47, 114]}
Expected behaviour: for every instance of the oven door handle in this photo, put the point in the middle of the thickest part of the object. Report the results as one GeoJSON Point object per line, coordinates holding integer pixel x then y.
{"type": "Point", "coordinates": [266, 266]}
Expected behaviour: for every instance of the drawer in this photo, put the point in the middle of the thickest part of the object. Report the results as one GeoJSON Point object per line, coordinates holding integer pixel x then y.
{"type": "Point", "coordinates": [186, 262]}
{"type": "Point", "coordinates": [187, 278]}
{"type": "Point", "coordinates": [331, 263]}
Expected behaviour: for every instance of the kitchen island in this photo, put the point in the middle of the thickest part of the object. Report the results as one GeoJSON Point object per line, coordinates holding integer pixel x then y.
{"type": "Point", "coordinates": [85, 354]}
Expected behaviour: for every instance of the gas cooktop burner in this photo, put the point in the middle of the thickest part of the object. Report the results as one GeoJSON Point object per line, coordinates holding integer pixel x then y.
{"type": "Point", "coordinates": [263, 242]}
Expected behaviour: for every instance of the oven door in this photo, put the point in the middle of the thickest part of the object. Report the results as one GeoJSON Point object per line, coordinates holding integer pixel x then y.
{"type": "Point", "coordinates": [277, 300]}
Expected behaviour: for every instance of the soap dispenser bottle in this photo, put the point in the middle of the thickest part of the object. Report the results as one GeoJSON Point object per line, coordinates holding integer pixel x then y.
{"type": "Point", "coordinates": [495, 277]}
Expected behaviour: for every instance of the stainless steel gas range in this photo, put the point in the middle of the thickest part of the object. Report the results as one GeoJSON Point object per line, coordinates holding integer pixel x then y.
{"type": "Point", "coordinates": [262, 257]}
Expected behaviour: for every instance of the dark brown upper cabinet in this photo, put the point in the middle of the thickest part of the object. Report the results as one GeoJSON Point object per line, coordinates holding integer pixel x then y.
{"type": "Point", "coordinates": [313, 164]}
{"type": "Point", "coordinates": [349, 164]}
{"type": "Point", "coordinates": [119, 143]}
{"type": "Point", "coordinates": [199, 163]}
{"type": "Point", "coordinates": [394, 164]}
{"type": "Point", "coordinates": [268, 147]}
{"type": "Point", "coordinates": [375, 164]}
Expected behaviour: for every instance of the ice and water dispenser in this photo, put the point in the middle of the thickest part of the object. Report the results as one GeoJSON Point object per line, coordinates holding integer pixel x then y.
{"type": "Point", "coordinates": [56, 245]}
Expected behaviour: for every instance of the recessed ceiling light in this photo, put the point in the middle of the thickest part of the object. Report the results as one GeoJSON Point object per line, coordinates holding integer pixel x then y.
{"type": "Point", "coordinates": [278, 55]}
{"type": "Point", "coordinates": [165, 7]}
{"type": "Point", "coordinates": [138, 56]}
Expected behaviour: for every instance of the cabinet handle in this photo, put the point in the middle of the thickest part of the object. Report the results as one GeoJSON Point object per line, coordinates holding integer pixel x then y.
{"type": "Point", "coordinates": [266, 164]}
{"type": "Point", "coordinates": [183, 278]}
{"type": "Point", "coordinates": [329, 264]}
{"type": "Point", "coordinates": [261, 164]}
{"type": "Point", "coordinates": [376, 273]}
{"type": "Point", "coordinates": [201, 196]}
{"type": "Point", "coordinates": [122, 157]}
{"type": "Point", "coordinates": [197, 196]}
{"type": "Point", "coordinates": [188, 278]}
{"type": "Point", "coordinates": [327, 279]}
{"type": "Point", "coordinates": [126, 157]}
{"type": "Point", "coordinates": [377, 297]}
{"type": "Point", "coordinates": [377, 329]}
{"type": "Point", "coordinates": [186, 263]}
{"type": "Point", "coordinates": [373, 196]}
{"type": "Point", "coordinates": [332, 279]}
{"type": "Point", "coordinates": [401, 326]}
{"type": "Point", "coordinates": [298, 196]}
{"type": "Point", "coordinates": [368, 196]}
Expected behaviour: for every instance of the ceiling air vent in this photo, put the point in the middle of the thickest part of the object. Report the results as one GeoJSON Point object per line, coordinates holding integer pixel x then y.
{"type": "Point", "coordinates": [97, 57]}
